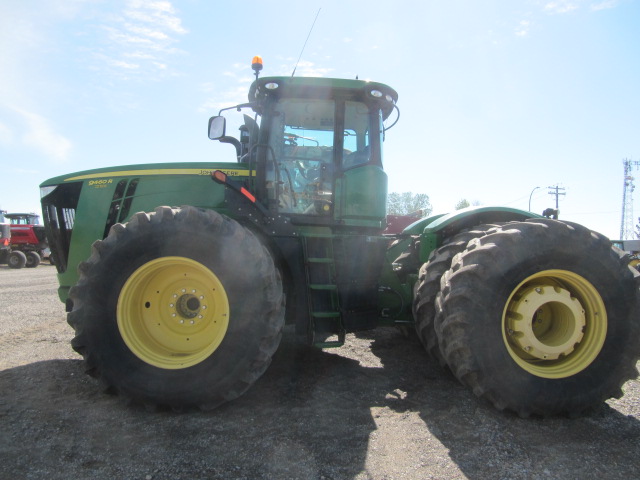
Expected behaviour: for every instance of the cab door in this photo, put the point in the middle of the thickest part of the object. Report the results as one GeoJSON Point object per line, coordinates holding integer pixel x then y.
{"type": "Point", "coordinates": [361, 187]}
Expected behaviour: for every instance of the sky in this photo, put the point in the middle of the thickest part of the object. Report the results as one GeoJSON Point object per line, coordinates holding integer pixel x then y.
{"type": "Point", "coordinates": [499, 99]}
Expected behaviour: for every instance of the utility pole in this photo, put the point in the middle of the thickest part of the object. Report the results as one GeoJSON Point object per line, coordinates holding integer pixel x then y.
{"type": "Point", "coordinates": [550, 212]}
{"type": "Point", "coordinates": [556, 191]}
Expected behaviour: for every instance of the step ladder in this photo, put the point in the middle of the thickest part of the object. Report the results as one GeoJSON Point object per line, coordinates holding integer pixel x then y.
{"type": "Point", "coordinates": [326, 327]}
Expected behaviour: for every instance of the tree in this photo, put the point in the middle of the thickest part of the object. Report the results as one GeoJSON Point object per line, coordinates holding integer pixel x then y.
{"type": "Point", "coordinates": [464, 203]}
{"type": "Point", "coordinates": [408, 202]}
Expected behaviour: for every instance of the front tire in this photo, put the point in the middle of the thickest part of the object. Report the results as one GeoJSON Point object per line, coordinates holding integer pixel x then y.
{"type": "Point", "coordinates": [17, 259]}
{"type": "Point", "coordinates": [181, 308]}
{"type": "Point", "coordinates": [541, 317]}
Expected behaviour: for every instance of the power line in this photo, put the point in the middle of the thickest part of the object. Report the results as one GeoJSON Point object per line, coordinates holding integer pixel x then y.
{"type": "Point", "coordinates": [590, 213]}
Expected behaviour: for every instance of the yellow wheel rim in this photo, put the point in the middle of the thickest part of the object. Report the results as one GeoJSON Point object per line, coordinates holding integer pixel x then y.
{"type": "Point", "coordinates": [173, 312]}
{"type": "Point", "coordinates": [554, 324]}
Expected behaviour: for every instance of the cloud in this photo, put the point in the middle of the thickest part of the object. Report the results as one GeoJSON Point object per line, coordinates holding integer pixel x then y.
{"type": "Point", "coordinates": [27, 40]}
{"type": "Point", "coordinates": [566, 6]}
{"type": "Point", "coordinates": [562, 6]}
{"type": "Point", "coordinates": [126, 65]}
{"type": "Point", "coordinates": [239, 79]}
{"type": "Point", "coordinates": [309, 69]}
{"type": "Point", "coordinates": [234, 93]}
{"type": "Point", "coordinates": [158, 13]}
{"type": "Point", "coordinates": [6, 135]}
{"type": "Point", "coordinates": [140, 40]}
{"type": "Point", "coordinates": [40, 135]}
{"type": "Point", "coordinates": [223, 99]}
{"type": "Point", "coordinates": [529, 25]}
{"type": "Point", "coordinates": [604, 5]}
{"type": "Point", "coordinates": [523, 28]}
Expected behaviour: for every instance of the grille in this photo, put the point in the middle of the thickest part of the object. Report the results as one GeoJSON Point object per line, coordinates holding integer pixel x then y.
{"type": "Point", "coordinates": [59, 212]}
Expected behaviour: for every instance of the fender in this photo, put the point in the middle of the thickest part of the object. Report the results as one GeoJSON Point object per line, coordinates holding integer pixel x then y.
{"type": "Point", "coordinates": [432, 230]}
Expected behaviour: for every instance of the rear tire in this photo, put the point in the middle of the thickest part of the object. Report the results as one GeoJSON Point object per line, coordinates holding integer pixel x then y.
{"type": "Point", "coordinates": [179, 308]}
{"type": "Point", "coordinates": [541, 317]}
{"type": "Point", "coordinates": [33, 259]}
{"type": "Point", "coordinates": [17, 259]}
{"type": "Point", "coordinates": [428, 286]}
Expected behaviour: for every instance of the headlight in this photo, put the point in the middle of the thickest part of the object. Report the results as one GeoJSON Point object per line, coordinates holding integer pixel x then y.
{"type": "Point", "coordinates": [44, 191]}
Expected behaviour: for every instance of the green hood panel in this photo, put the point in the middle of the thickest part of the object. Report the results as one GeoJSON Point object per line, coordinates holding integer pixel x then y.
{"type": "Point", "coordinates": [437, 223]}
{"type": "Point", "coordinates": [190, 168]}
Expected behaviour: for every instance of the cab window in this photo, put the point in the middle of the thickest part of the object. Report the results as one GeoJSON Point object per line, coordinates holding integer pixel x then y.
{"type": "Point", "coordinates": [310, 140]}
{"type": "Point", "coordinates": [302, 139]}
{"type": "Point", "coordinates": [356, 144]}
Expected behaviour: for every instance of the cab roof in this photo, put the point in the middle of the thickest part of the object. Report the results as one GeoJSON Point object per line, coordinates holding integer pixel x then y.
{"type": "Point", "coordinates": [322, 87]}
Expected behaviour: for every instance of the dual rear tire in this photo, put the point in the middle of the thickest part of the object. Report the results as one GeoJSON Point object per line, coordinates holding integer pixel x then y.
{"type": "Point", "coordinates": [538, 317]}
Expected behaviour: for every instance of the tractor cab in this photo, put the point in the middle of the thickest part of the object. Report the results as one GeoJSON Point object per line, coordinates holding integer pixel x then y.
{"type": "Point", "coordinates": [23, 218]}
{"type": "Point", "coordinates": [315, 149]}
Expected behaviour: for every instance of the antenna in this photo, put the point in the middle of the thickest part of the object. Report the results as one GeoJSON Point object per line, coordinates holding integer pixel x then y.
{"type": "Point", "coordinates": [305, 42]}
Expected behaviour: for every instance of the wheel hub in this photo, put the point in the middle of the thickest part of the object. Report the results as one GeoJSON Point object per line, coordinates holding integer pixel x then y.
{"type": "Point", "coordinates": [173, 312]}
{"type": "Point", "coordinates": [187, 305]}
{"type": "Point", "coordinates": [546, 322]}
{"type": "Point", "coordinates": [554, 323]}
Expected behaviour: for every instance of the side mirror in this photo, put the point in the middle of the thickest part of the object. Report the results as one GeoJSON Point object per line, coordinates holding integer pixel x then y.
{"type": "Point", "coordinates": [217, 127]}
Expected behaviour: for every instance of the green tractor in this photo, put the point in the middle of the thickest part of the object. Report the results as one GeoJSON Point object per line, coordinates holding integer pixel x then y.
{"type": "Point", "coordinates": [179, 278]}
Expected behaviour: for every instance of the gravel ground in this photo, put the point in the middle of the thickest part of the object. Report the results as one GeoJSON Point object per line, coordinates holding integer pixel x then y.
{"type": "Point", "coordinates": [373, 409]}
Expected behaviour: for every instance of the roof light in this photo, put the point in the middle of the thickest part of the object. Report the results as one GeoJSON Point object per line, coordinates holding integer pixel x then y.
{"type": "Point", "coordinates": [376, 93]}
{"type": "Point", "coordinates": [271, 86]}
{"type": "Point", "coordinates": [256, 63]}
